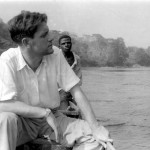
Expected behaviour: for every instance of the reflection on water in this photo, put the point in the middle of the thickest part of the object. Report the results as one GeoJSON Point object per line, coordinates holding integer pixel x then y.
{"type": "Point", "coordinates": [121, 101]}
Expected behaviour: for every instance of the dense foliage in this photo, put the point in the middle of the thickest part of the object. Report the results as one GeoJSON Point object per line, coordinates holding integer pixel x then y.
{"type": "Point", "coordinates": [94, 50]}
{"type": "Point", "coordinates": [5, 39]}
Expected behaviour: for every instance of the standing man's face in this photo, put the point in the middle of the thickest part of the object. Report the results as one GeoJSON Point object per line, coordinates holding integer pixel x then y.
{"type": "Point", "coordinates": [65, 44]}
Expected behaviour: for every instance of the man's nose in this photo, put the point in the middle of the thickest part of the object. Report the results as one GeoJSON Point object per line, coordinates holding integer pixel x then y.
{"type": "Point", "coordinates": [50, 38]}
{"type": "Point", "coordinates": [66, 44]}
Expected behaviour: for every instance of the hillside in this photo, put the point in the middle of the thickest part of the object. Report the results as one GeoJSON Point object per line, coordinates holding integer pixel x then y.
{"type": "Point", "coordinates": [94, 50]}
{"type": "Point", "coordinates": [5, 39]}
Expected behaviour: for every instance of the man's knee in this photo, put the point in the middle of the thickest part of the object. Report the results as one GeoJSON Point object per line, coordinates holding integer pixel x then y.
{"type": "Point", "coordinates": [8, 117]}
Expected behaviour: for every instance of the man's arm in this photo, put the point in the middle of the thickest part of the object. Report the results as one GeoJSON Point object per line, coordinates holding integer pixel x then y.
{"type": "Point", "coordinates": [84, 105]}
{"type": "Point", "coordinates": [22, 109]}
{"type": "Point", "coordinates": [98, 131]}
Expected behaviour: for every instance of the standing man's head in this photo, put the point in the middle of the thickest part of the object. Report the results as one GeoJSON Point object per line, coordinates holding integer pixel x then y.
{"type": "Point", "coordinates": [30, 31]}
{"type": "Point", "coordinates": [65, 43]}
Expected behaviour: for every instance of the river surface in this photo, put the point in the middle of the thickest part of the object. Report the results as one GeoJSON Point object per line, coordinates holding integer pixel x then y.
{"type": "Point", "coordinates": [121, 101]}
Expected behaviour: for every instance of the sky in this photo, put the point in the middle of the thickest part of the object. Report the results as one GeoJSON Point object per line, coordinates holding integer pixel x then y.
{"type": "Point", "coordinates": [129, 19]}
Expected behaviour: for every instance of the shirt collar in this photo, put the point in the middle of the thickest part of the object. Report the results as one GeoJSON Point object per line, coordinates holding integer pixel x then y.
{"type": "Point", "coordinates": [44, 59]}
{"type": "Point", "coordinates": [22, 63]}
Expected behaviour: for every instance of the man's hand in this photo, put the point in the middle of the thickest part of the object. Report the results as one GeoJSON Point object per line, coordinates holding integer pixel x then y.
{"type": "Point", "coordinates": [53, 123]}
{"type": "Point", "coordinates": [100, 133]}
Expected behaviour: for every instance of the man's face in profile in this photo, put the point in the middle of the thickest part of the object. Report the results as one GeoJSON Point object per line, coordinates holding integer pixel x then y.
{"type": "Point", "coordinates": [41, 44]}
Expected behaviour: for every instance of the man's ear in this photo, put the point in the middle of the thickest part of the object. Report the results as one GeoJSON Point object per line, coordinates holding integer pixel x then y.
{"type": "Point", "coordinates": [26, 42]}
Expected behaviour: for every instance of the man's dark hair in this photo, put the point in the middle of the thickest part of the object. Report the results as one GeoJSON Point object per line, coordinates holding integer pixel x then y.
{"type": "Point", "coordinates": [64, 36]}
{"type": "Point", "coordinates": [25, 25]}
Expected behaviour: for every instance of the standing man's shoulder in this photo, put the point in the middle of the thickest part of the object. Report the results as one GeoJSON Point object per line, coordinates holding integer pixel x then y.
{"type": "Point", "coordinates": [57, 50]}
{"type": "Point", "coordinates": [56, 54]}
{"type": "Point", "coordinates": [76, 56]}
{"type": "Point", "coordinates": [55, 57]}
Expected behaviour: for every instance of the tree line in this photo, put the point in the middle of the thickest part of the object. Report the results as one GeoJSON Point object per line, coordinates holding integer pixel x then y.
{"type": "Point", "coordinates": [94, 50]}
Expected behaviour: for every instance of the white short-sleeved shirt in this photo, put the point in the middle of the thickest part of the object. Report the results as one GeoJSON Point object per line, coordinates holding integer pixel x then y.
{"type": "Point", "coordinates": [40, 88]}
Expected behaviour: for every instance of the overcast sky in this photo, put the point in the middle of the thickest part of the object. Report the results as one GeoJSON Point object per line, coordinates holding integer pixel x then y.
{"type": "Point", "coordinates": [129, 19]}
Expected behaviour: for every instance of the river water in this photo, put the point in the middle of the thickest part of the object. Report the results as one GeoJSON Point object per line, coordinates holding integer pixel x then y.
{"type": "Point", "coordinates": [121, 101]}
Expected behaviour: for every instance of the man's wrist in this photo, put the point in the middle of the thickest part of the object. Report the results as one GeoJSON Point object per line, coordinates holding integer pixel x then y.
{"type": "Point", "coordinates": [48, 111]}
{"type": "Point", "coordinates": [95, 125]}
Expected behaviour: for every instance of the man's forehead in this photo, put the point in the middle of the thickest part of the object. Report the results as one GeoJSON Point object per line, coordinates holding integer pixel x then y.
{"type": "Point", "coordinates": [42, 28]}
{"type": "Point", "coordinates": [65, 39]}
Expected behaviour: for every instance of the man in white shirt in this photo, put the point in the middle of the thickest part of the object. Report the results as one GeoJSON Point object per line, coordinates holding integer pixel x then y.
{"type": "Point", "coordinates": [29, 79]}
